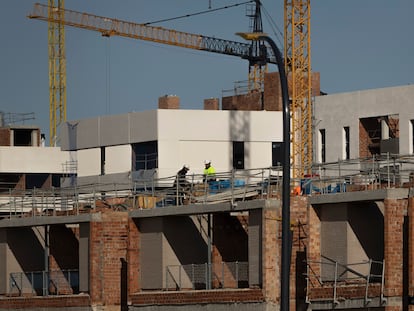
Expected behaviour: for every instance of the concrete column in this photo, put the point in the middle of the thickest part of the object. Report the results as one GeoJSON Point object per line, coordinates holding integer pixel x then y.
{"type": "Point", "coordinates": [385, 130]}
{"type": "Point", "coordinates": [3, 262]}
{"type": "Point", "coordinates": [255, 247]}
{"type": "Point", "coordinates": [84, 237]}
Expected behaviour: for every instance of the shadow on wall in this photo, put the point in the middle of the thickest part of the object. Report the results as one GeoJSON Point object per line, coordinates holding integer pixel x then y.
{"type": "Point", "coordinates": [28, 258]}
{"type": "Point", "coordinates": [183, 234]}
{"type": "Point", "coordinates": [372, 240]}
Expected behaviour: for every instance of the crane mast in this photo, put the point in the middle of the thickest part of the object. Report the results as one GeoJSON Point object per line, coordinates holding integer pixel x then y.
{"type": "Point", "coordinates": [57, 71]}
{"type": "Point", "coordinates": [258, 63]}
{"type": "Point", "coordinates": [298, 68]}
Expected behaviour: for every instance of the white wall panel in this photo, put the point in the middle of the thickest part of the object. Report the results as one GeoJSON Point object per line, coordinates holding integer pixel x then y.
{"type": "Point", "coordinates": [33, 159]}
{"type": "Point", "coordinates": [118, 159]}
{"type": "Point", "coordinates": [89, 162]}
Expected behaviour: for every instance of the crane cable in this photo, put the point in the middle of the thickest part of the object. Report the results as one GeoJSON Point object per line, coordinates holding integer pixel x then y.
{"type": "Point", "coordinates": [276, 30]}
{"type": "Point", "coordinates": [197, 13]}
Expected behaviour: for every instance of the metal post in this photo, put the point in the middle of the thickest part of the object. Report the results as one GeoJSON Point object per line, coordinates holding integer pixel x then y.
{"type": "Point", "coordinates": [286, 234]}
{"type": "Point", "coordinates": [209, 251]}
{"type": "Point", "coordinates": [46, 270]}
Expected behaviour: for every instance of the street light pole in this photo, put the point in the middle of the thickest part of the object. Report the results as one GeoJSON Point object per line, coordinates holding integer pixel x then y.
{"type": "Point", "coordinates": [286, 234]}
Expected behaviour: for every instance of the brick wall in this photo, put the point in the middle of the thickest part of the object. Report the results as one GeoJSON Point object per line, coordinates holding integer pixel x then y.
{"type": "Point", "coordinates": [247, 102]}
{"type": "Point", "coordinates": [211, 104]}
{"type": "Point", "coordinates": [393, 240]}
{"type": "Point", "coordinates": [314, 244]}
{"type": "Point", "coordinates": [411, 248]}
{"type": "Point", "coordinates": [134, 266]}
{"type": "Point", "coordinates": [169, 102]}
{"type": "Point", "coordinates": [198, 297]}
{"type": "Point", "coordinates": [364, 141]}
{"type": "Point", "coordinates": [298, 219]}
{"type": "Point", "coordinates": [4, 136]}
{"type": "Point", "coordinates": [45, 302]}
{"type": "Point", "coordinates": [108, 245]}
{"type": "Point", "coordinates": [271, 254]}
{"type": "Point", "coordinates": [273, 93]}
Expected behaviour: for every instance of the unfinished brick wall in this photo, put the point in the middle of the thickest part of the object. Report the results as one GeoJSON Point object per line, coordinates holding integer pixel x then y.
{"type": "Point", "coordinates": [4, 136]}
{"type": "Point", "coordinates": [199, 297]}
{"type": "Point", "coordinates": [299, 226]}
{"type": "Point", "coordinates": [314, 243]}
{"type": "Point", "coordinates": [271, 246]}
{"type": "Point", "coordinates": [133, 257]}
{"type": "Point", "coordinates": [393, 254]}
{"type": "Point", "coordinates": [247, 102]}
{"type": "Point", "coordinates": [211, 104]}
{"type": "Point", "coordinates": [108, 246]}
{"type": "Point", "coordinates": [410, 214]}
{"type": "Point", "coordinates": [364, 141]}
{"type": "Point", "coordinates": [273, 93]}
{"type": "Point", "coordinates": [80, 302]}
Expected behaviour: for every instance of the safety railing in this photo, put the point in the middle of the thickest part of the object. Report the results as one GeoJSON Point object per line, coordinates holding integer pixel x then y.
{"type": "Point", "coordinates": [227, 186]}
{"type": "Point", "coordinates": [44, 283]}
{"type": "Point", "coordinates": [385, 171]}
{"type": "Point", "coordinates": [224, 275]}
{"type": "Point", "coordinates": [332, 273]}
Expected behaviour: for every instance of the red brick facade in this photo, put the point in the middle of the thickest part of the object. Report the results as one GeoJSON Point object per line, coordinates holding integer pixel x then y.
{"type": "Point", "coordinates": [114, 244]}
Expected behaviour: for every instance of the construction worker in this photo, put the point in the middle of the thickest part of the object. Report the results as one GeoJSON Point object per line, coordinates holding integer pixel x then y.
{"type": "Point", "coordinates": [209, 172]}
{"type": "Point", "coordinates": [181, 185]}
{"type": "Point", "coordinates": [181, 179]}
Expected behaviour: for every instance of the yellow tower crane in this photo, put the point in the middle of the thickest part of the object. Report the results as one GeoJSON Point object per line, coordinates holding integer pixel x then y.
{"type": "Point", "coordinates": [57, 17]}
{"type": "Point", "coordinates": [297, 56]}
{"type": "Point", "coordinates": [57, 71]}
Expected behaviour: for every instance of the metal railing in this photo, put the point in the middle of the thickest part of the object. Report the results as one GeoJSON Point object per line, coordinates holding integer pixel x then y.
{"type": "Point", "coordinates": [206, 276]}
{"type": "Point", "coordinates": [228, 186]}
{"type": "Point", "coordinates": [386, 171]}
{"type": "Point", "coordinates": [332, 272]}
{"type": "Point", "coordinates": [43, 283]}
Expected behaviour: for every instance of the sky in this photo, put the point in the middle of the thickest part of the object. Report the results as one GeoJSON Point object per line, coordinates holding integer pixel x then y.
{"type": "Point", "coordinates": [355, 45]}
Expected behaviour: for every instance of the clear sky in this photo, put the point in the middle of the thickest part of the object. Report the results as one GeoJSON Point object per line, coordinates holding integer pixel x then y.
{"type": "Point", "coordinates": [356, 45]}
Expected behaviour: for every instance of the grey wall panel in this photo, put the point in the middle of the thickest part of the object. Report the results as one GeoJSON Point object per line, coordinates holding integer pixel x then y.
{"type": "Point", "coordinates": [143, 126]}
{"type": "Point", "coordinates": [333, 238]}
{"type": "Point", "coordinates": [80, 134]}
{"type": "Point", "coordinates": [109, 130]}
{"type": "Point", "coordinates": [151, 253]}
{"type": "Point", "coordinates": [114, 130]}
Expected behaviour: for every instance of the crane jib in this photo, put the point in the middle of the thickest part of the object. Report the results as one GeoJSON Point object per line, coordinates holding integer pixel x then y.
{"type": "Point", "coordinates": [114, 27]}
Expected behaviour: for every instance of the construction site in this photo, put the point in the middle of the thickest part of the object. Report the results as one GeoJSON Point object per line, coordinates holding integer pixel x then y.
{"type": "Point", "coordinates": [316, 215]}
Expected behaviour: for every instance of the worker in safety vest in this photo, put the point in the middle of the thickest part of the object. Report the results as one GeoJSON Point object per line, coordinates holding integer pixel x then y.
{"type": "Point", "coordinates": [209, 172]}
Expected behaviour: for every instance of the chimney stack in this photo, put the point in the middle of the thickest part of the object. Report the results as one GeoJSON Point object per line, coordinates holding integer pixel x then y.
{"type": "Point", "coordinates": [211, 104]}
{"type": "Point", "coordinates": [169, 102]}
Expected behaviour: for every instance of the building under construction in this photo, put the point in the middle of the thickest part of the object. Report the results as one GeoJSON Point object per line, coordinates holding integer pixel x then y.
{"type": "Point", "coordinates": [108, 230]}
